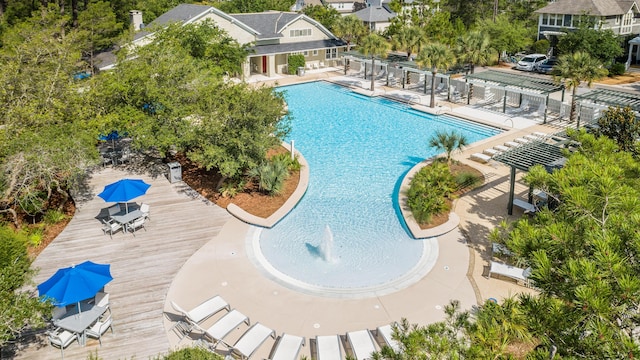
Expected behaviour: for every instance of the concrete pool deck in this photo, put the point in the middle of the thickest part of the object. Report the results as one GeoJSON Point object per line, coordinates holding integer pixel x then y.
{"type": "Point", "coordinates": [193, 250]}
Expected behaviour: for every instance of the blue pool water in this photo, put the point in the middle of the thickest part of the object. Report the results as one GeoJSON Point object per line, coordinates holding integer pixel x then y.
{"type": "Point", "coordinates": [358, 149]}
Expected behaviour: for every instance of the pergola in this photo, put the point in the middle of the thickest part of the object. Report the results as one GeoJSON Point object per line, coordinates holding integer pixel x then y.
{"type": "Point", "coordinates": [518, 83]}
{"type": "Point", "coordinates": [536, 152]}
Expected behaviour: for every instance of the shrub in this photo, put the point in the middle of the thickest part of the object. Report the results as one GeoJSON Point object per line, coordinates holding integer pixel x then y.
{"type": "Point", "coordinates": [294, 62]}
{"type": "Point", "coordinates": [617, 69]}
{"type": "Point", "coordinates": [195, 353]}
{"type": "Point", "coordinates": [52, 217]}
{"type": "Point", "coordinates": [540, 46]}
{"type": "Point", "coordinates": [271, 175]}
{"type": "Point", "coordinates": [429, 191]}
{"type": "Point", "coordinates": [231, 188]}
{"type": "Point", "coordinates": [467, 179]}
{"type": "Point", "coordinates": [292, 165]}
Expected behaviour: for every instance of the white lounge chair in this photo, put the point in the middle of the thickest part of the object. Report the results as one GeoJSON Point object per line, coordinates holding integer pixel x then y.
{"type": "Point", "coordinates": [509, 271]}
{"type": "Point", "coordinates": [491, 152]}
{"type": "Point", "coordinates": [479, 157]}
{"type": "Point", "coordinates": [512, 144]}
{"type": "Point", "coordinates": [521, 140]}
{"type": "Point", "coordinates": [501, 148]}
{"type": "Point", "coordinates": [362, 344]}
{"type": "Point", "coordinates": [527, 207]}
{"type": "Point", "coordinates": [221, 328]}
{"type": "Point", "coordinates": [251, 340]}
{"type": "Point", "coordinates": [287, 348]}
{"type": "Point", "coordinates": [524, 107]}
{"type": "Point", "coordinates": [386, 333]}
{"type": "Point", "coordinates": [540, 134]}
{"type": "Point", "coordinates": [328, 348]}
{"type": "Point", "coordinates": [198, 314]}
{"type": "Point", "coordinates": [531, 137]}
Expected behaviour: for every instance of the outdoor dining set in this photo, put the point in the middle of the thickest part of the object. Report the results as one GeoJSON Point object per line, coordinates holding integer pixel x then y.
{"type": "Point", "coordinates": [131, 217]}
{"type": "Point", "coordinates": [81, 307]}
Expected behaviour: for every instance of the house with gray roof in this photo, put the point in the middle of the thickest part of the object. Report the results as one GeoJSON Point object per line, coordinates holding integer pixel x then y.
{"type": "Point", "coordinates": [620, 16]}
{"type": "Point", "coordinates": [377, 15]}
{"type": "Point", "coordinates": [271, 36]}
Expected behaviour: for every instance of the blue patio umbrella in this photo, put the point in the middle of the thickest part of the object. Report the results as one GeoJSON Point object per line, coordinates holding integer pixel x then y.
{"type": "Point", "coordinates": [124, 190]}
{"type": "Point", "coordinates": [76, 283]}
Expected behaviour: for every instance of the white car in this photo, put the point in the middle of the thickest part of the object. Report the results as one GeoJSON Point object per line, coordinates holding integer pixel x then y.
{"type": "Point", "coordinates": [529, 62]}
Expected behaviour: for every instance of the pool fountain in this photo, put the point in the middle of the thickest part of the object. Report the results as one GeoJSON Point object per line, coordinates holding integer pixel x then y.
{"type": "Point", "coordinates": [326, 246]}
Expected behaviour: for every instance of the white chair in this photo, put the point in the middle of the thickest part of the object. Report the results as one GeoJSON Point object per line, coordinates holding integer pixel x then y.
{"type": "Point", "coordinates": [102, 300]}
{"type": "Point", "coordinates": [512, 272]}
{"type": "Point", "coordinates": [221, 328]}
{"type": "Point", "coordinates": [479, 157]}
{"type": "Point", "coordinates": [251, 340]}
{"type": "Point", "coordinates": [99, 328]}
{"type": "Point", "coordinates": [362, 344]}
{"type": "Point", "coordinates": [287, 348]}
{"type": "Point", "coordinates": [328, 348]}
{"type": "Point", "coordinates": [58, 312]}
{"type": "Point", "coordinates": [146, 210]}
{"type": "Point", "coordinates": [61, 339]}
{"type": "Point", "coordinates": [110, 227]}
{"type": "Point", "coordinates": [114, 210]}
{"type": "Point", "coordinates": [501, 148]}
{"type": "Point", "coordinates": [136, 224]}
{"type": "Point", "coordinates": [199, 313]}
{"type": "Point", "coordinates": [491, 152]}
{"type": "Point", "coordinates": [386, 333]}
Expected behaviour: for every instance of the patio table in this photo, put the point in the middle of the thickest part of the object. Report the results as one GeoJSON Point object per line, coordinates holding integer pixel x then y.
{"type": "Point", "coordinates": [77, 322]}
{"type": "Point", "coordinates": [125, 219]}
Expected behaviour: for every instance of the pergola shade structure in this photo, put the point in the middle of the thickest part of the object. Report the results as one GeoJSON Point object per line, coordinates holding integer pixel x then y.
{"type": "Point", "coordinates": [548, 152]}
{"type": "Point", "coordinates": [516, 83]}
{"type": "Point", "coordinates": [606, 98]}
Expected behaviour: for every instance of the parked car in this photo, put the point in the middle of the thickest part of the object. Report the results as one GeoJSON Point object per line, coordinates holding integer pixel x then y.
{"type": "Point", "coordinates": [546, 67]}
{"type": "Point", "coordinates": [529, 62]}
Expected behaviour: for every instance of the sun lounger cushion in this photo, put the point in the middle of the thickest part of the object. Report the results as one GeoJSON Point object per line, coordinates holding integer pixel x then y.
{"type": "Point", "coordinates": [540, 134]}
{"type": "Point", "coordinates": [521, 140]}
{"type": "Point", "coordinates": [512, 144]}
{"type": "Point", "coordinates": [225, 325]}
{"type": "Point", "coordinates": [328, 348]}
{"type": "Point", "coordinates": [362, 344]}
{"type": "Point", "coordinates": [385, 332]}
{"type": "Point", "coordinates": [251, 340]}
{"type": "Point", "coordinates": [287, 348]}
{"type": "Point", "coordinates": [531, 137]}
{"type": "Point", "coordinates": [501, 148]}
{"type": "Point", "coordinates": [491, 152]}
{"type": "Point", "coordinates": [480, 157]}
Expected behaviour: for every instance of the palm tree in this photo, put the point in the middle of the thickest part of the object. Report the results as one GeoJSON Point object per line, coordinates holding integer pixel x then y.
{"type": "Point", "coordinates": [474, 48]}
{"type": "Point", "coordinates": [373, 45]}
{"type": "Point", "coordinates": [448, 142]}
{"type": "Point", "coordinates": [409, 39]}
{"type": "Point", "coordinates": [349, 28]}
{"type": "Point", "coordinates": [575, 68]}
{"type": "Point", "coordinates": [437, 57]}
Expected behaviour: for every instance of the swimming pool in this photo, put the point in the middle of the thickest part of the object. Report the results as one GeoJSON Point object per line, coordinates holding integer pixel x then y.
{"type": "Point", "coordinates": [346, 235]}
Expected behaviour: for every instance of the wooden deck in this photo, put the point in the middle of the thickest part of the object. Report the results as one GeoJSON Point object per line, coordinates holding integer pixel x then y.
{"type": "Point", "coordinates": [143, 266]}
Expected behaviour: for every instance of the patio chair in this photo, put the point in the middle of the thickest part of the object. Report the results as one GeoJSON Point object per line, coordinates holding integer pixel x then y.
{"type": "Point", "coordinates": [287, 348]}
{"type": "Point", "coordinates": [362, 344]}
{"type": "Point", "coordinates": [481, 158]}
{"type": "Point", "coordinates": [102, 300]}
{"type": "Point", "coordinates": [114, 210]}
{"type": "Point", "coordinates": [61, 339]}
{"type": "Point", "coordinates": [145, 209]}
{"type": "Point", "coordinates": [99, 328]}
{"type": "Point", "coordinates": [221, 328]}
{"type": "Point", "coordinates": [512, 272]}
{"type": "Point", "coordinates": [58, 312]}
{"type": "Point", "coordinates": [386, 334]}
{"type": "Point", "coordinates": [251, 340]}
{"type": "Point", "coordinates": [328, 348]}
{"type": "Point", "coordinates": [110, 227]}
{"type": "Point", "coordinates": [136, 224]}
{"type": "Point", "coordinates": [199, 313]}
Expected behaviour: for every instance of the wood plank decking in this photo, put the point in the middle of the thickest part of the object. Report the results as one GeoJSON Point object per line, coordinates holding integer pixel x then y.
{"type": "Point", "coordinates": [143, 266]}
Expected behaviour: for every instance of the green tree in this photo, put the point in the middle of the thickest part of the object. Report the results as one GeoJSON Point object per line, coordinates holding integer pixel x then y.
{"type": "Point", "coordinates": [474, 48]}
{"type": "Point", "coordinates": [350, 29]}
{"type": "Point", "coordinates": [573, 69]}
{"type": "Point", "coordinates": [98, 27]}
{"type": "Point", "coordinates": [448, 142]}
{"type": "Point", "coordinates": [507, 35]}
{"type": "Point", "coordinates": [583, 253]}
{"type": "Point", "coordinates": [325, 15]}
{"type": "Point", "coordinates": [250, 6]}
{"type": "Point", "coordinates": [373, 45]}
{"type": "Point", "coordinates": [19, 310]}
{"type": "Point", "coordinates": [600, 44]}
{"type": "Point", "coordinates": [409, 39]}
{"type": "Point", "coordinates": [440, 29]}
{"type": "Point", "coordinates": [435, 56]}
{"type": "Point", "coordinates": [622, 126]}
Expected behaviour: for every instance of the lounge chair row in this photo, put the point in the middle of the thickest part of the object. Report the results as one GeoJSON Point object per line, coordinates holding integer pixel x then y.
{"type": "Point", "coordinates": [361, 344]}
{"type": "Point", "coordinates": [488, 154]}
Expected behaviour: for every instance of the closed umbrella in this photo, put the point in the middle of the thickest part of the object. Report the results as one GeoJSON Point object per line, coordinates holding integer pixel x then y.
{"type": "Point", "coordinates": [124, 190]}
{"type": "Point", "coordinates": [76, 283]}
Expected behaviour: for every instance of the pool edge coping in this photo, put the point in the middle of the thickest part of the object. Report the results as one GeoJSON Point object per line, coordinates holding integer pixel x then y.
{"type": "Point", "coordinates": [288, 205]}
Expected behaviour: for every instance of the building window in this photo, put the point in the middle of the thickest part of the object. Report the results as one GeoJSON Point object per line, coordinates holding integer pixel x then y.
{"type": "Point", "coordinates": [627, 20]}
{"type": "Point", "coordinates": [299, 32]}
{"type": "Point", "coordinates": [315, 52]}
{"type": "Point", "coordinates": [545, 20]}
{"type": "Point", "coordinates": [331, 53]}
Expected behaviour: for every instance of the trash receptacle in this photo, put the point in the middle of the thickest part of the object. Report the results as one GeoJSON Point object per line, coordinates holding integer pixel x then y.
{"type": "Point", "coordinates": [175, 172]}
{"type": "Point", "coordinates": [300, 71]}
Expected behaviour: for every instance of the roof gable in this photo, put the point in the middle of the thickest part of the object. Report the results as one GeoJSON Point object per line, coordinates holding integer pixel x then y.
{"type": "Point", "coordinates": [271, 24]}
{"type": "Point", "coordinates": [588, 7]}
